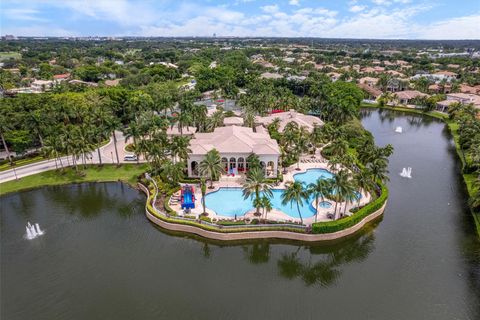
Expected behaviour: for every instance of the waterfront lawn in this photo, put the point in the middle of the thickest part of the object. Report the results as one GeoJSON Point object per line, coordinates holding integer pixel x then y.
{"type": "Point", "coordinates": [21, 162]}
{"type": "Point", "coordinates": [93, 173]}
{"type": "Point", "coordinates": [435, 114]}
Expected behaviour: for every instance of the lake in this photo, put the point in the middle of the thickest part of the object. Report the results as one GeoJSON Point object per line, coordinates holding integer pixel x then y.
{"type": "Point", "coordinates": [100, 258]}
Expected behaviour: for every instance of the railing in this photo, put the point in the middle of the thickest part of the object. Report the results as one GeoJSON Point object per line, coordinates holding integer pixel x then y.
{"type": "Point", "coordinates": [219, 226]}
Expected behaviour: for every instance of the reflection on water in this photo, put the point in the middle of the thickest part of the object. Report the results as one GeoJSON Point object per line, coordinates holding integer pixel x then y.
{"type": "Point", "coordinates": [99, 251]}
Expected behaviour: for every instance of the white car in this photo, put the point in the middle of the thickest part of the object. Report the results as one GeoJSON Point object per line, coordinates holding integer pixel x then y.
{"type": "Point", "coordinates": [130, 157]}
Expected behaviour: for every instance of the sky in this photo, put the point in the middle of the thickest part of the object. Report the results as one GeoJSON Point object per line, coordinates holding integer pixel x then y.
{"type": "Point", "coordinates": [372, 19]}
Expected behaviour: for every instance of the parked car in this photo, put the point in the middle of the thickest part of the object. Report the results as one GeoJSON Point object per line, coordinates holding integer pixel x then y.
{"type": "Point", "coordinates": [130, 157]}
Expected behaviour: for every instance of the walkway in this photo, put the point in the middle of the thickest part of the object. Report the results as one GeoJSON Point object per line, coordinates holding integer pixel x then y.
{"type": "Point", "coordinates": [107, 154]}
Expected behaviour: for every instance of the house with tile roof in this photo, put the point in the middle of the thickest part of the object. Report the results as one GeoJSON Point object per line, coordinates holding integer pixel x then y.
{"type": "Point", "coordinates": [235, 144]}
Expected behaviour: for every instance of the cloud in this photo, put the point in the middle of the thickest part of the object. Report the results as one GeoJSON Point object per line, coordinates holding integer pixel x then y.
{"type": "Point", "coordinates": [467, 27]}
{"type": "Point", "coordinates": [385, 19]}
{"type": "Point", "coordinates": [27, 14]}
{"type": "Point", "coordinates": [356, 8]}
{"type": "Point", "coordinates": [270, 9]}
{"type": "Point", "coordinates": [294, 2]}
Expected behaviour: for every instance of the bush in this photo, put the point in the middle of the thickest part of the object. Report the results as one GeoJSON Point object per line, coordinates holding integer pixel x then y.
{"type": "Point", "coordinates": [344, 223]}
{"type": "Point", "coordinates": [231, 222]}
{"type": "Point", "coordinates": [205, 218]}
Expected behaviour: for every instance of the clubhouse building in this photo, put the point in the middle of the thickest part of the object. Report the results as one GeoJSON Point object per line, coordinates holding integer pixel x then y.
{"type": "Point", "coordinates": [235, 143]}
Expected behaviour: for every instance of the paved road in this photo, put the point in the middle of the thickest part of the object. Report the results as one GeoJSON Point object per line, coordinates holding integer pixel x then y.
{"type": "Point", "coordinates": [107, 152]}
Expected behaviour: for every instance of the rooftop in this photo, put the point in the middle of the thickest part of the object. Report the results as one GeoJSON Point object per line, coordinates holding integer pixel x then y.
{"type": "Point", "coordinates": [234, 139]}
{"type": "Point", "coordinates": [301, 119]}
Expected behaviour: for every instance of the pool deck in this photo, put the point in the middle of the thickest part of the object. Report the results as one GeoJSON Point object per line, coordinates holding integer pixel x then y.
{"type": "Point", "coordinates": [306, 162]}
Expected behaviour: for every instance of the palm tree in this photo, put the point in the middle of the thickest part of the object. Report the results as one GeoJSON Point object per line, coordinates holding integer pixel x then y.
{"type": "Point", "coordinates": [256, 184]}
{"type": "Point", "coordinates": [112, 124]}
{"type": "Point", "coordinates": [211, 166]}
{"type": "Point", "coordinates": [363, 181]}
{"type": "Point", "coordinates": [5, 126]}
{"type": "Point", "coordinates": [203, 189]}
{"type": "Point", "coordinates": [295, 192]}
{"type": "Point", "coordinates": [378, 169]}
{"type": "Point", "coordinates": [319, 189]}
{"type": "Point", "coordinates": [172, 172]}
{"type": "Point", "coordinates": [180, 147]}
{"type": "Point", "coordinates": [340, 188]}
{"type": "Point", "coordinates": [266, 205]}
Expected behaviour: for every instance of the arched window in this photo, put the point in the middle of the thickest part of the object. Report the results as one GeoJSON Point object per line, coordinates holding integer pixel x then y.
{"type": "Point", "coordinates": [194, 166]}
{"type": "Point", "coordinates": [262, 164]}
{"type": "Point", "coordinates": [233, 163]}
{"type": "Point", "coordinates": [225, 164]}
{"type": "Point", "coordinates": [241, 164]}
{"type": "Point", "coordinates": [270, 168]}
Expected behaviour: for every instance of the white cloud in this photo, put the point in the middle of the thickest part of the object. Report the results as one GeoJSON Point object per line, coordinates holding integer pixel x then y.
{"type": "Point", "coordinates": [270, 9]}
{"type": "Point", "coordinates": [356, 8]}
{"type": "Point", "coordinates": [384, 20]}
{"type": "Point", "coordinates": [467, 27]}
{"type": "Point", "coordinates": [294, 2]}
{"type": "Point", "coordinates": [28, 14]}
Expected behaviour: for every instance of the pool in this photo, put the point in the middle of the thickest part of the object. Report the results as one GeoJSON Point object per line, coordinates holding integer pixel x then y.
{"type": "Point", "coordinates": [312, 175]}
{"type": "Point", "coordinates": [230, 202]}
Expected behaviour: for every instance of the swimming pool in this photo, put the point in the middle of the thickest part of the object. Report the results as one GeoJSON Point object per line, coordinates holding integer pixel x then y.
{"type": "Point", "coordinates": [230, 202]}
{"type": "Point", "coordinates": [312, 175]}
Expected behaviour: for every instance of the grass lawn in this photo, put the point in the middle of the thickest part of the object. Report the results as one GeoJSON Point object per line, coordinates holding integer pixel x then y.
{"type": "Point", "coordinates": [22, 162]}
{"type": "Point", "coordinates": [434, 114]}
{"type": "Point", "coordinates": [93, 173]}
{"type": "Point", "coordinates": [8, 55]}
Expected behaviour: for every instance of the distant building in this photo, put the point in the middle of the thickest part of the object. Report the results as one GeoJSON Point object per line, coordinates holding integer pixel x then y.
{"type": "Point", "coordinates": [407, 96]}
{"type": "Point", "coordinates": [463, 98]}
{"type": "Point", "coordinates": [303, 120]}
{"type": "Point", "coordinates": [41, 85]}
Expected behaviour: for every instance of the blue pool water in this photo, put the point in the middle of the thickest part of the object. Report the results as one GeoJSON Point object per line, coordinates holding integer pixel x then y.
{"type": "Point", "coordinates": [230, 202]}
{"type": "Point", "coordinates": [312, 175]}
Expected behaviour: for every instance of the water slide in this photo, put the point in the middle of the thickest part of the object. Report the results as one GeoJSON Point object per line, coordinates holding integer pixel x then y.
{"type": "Point", "coordinates": [188, 197]}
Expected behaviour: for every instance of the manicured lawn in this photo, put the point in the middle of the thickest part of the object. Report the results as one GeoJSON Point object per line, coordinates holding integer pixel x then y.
{"type": "Point", "coordinates": [9, 55]}
{"type": "Point", "coordinates": [434, 114]}
{"type": "Point", "coordinates": [126, 172]}
{"type": "Point", "coordinates": [22, 162]}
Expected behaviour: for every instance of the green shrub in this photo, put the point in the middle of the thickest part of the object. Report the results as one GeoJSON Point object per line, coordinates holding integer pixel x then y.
{"type": "Point", "coordinates": [231, 222]}
{"type": "Point", "coordinates": [205, 218]}
{"type": "Point", "coordinates": [344, 223]}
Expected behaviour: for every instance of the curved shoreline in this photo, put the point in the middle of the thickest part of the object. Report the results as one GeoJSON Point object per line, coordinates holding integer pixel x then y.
{"type": "Point", "coordinates": [452, 131]}
{"type": "Point", "coordinates": [248, 235]}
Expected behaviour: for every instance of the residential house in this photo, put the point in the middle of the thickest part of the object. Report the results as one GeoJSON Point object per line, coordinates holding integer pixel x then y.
{"type": "Point", "coordinates": [235, 144]}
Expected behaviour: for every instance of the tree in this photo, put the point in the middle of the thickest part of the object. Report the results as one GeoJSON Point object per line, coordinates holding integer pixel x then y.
{"type": "Point", "coordinates": [266, 205]}
{"type": "Point", "coordinates": [341, 188]}
{"type": "Point", "coordinates": [319, 189]}
{"type": "Point", "coordinates": [172, 172]}
{"type": "Point", "coordinates": [378, 170]}
{"type": "Point", "coordinates": [295, 193]}
{"type": "Point", "coordinates": [203, 189]}
{"type": "Point", "coordinates": [180, 147]}
{"type": "Point", "coordinates": [363, 181]}
{"type": "Point", "coordinates": [5, 126]}
{"type": "Point", "coordinates": [111, 125]}
{"type": "Point", "coordinates": [211, 166]}
{"type": "Point", "coordinates": [256, 185]}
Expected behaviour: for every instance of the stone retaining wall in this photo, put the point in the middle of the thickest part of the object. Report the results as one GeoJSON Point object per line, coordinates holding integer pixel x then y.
{"type": "Point", "coordinates": [261, 234]}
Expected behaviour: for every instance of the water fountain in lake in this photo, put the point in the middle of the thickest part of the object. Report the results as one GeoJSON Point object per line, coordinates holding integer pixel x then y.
{"type": "Point", "coordinates": [398, 130]}
{"type": "Point", "coordinates": [406, 172]}
{"type": "Point", "coordinates": [33, 231]}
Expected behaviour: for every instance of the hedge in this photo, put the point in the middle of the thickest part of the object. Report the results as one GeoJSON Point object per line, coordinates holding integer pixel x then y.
{"type": "Point", "coordinates": [211, 228]}
{"type": "Point", "coordinates": [344, 223]}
